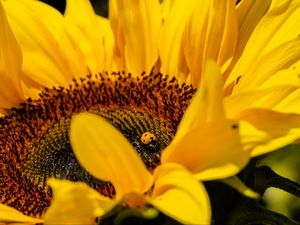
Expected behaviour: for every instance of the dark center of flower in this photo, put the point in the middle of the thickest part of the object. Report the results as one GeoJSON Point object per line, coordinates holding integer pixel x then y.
{"type": "Point", "coordinates": [34, 138]}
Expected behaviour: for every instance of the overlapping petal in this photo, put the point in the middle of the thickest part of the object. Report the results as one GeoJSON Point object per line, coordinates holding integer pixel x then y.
{"type": "Point", "coordinates": [40, 40]}
{"type": "Point", "coordinates": [89, 31]}
{"type": "Point", "coordinates": [136, 31]}
{"type": "Point", "coordinates": [75, 203]}
{"type": "Point", "coordinates": [249, 13]}
{"type": "Point", "coordinates": [171, 35]}
{"type": "Point", "coordinates": [282, 128]}
{"type": "Point", "coordinates": [108, 155]}
{"type": "Point", "coordinates": [210, 33]}
{"type": "Point", "coordinates": [280, 58]}
{"type": "Point", "coordinates": [279, 25]}
{"type": "Point", "coordinates": [180, 196]}
{"type": "Point", "coordinates": [207, 142]}
{"type": "Point", "coordinates": [10, 65]}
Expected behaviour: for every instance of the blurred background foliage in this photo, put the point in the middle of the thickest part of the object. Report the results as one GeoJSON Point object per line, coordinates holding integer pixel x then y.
{"type": "Point", "coordinates": [285, 162]}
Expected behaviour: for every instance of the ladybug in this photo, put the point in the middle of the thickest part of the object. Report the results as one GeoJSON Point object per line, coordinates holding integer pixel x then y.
{"type": "Point", "coordinates": [147, 137]}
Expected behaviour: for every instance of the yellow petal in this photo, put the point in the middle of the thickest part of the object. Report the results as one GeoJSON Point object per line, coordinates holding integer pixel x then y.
{"type": "Point", "coordinates": [106, 153]}
{"type": "Point", "coordinates": [283, 129]}
{"type": "Point", "coordinates": [108, 42]}
{"type": "Point", "coordinates": [206, 141]}
{"type": "Point", "coordinates": [279, 25]}
{"type": "Point", "coordinates": [87, 32]}
{"type": "Point", "coordinates": [207, 104]}
{"type": "Point", "coordinates": [237, 184]}
{"type": "Point", "coordinates": [10, 65]}
{"type": "Point", "coordinates": [179, 195]}
{"type": "Point", "coordinates": [265, 66]}
{"type": "Point", "coordinates": [251, 136]}
{"type": "Point", "coordinates": [214, 149]}
{"type": "Point", "coordinates": [11, 215]}
{"type": "Point", "coordinates": [37, 42]}
{"type": "Point", "coordinates": [249, 13]}
{"type": "Point", "coordinates": [211, 33]}
{"type": "Point", "coordinates": [69, 59]}
{"type": "Point", "coordinates": [265, 98]}
{"type": "Point", "coordinates": [289, 104]}
{"type": "Point", "coordinates": [75, 203]}
{"type": "Point", "coordinates": [171, 35]}
{"type": "Point", "coordinates": [136, 25]}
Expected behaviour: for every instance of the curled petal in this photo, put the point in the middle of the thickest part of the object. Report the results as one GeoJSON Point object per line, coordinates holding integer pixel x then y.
{"type": "Point", "coordinates": [75, 203]}
{"type": "Point", "coordinates": [179, 195]}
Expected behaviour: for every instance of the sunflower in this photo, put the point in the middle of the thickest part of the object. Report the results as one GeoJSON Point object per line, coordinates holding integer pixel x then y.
{"type": "Point", "coordinates": [57, 66]}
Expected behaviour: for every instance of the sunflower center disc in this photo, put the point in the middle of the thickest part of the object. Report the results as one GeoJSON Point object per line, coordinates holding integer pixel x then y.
{"type": "Point", "coordinates": [34, 138]}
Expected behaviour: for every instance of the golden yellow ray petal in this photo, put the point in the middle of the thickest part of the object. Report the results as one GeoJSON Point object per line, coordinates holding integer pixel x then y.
{"type": "Point", "coordinates": [10, 65]}
{"type": "Point", "coordinates": [71, 60]}
{"type": "Point", "coordinates": [106, 153]}
{"type": "Point", "coordinates": [171, 35]}
{"type": "Point", "coordinates": [249, 13]}
{"type": "Point", "coordinates": [279, 25]}
{"type": "Point", "coordinates": [81, 14]}
{"type": "Point", "coordinates": [210, 147]}
{"type": "Point", "coordinates": [237, 184]}
{"type": "Point", "coordinates": [31, 88]}
{"type": "Point", "coordinates": [251, 136]}
{"type": "Point", "coordinates": [108, 40]}
{"type": "Point", "coordinates": [203, 127]}
{"type": "Point", "coordinates": [75, 203]}
{"type": "Point", "coordinates": [282, 129]}
{"type": "Point", "coordinates": [179, 195]}
{"type": "Point", "coordinates": [11, 215]}
{"type": "Point", "coordinates": [211, 33]}
{"type": "Point", "coordinates": [267, 97]}
{"type": "Point", "coordinates": [264, 67]}
{"type": "Point", "coordinates": [43, 59]}
{"type": "Point", "coordinates": [290, 104]}
{"type": "Point", "coordinates": [136, 25]}
{"type": "Point", "coordinates": [207, 104]}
